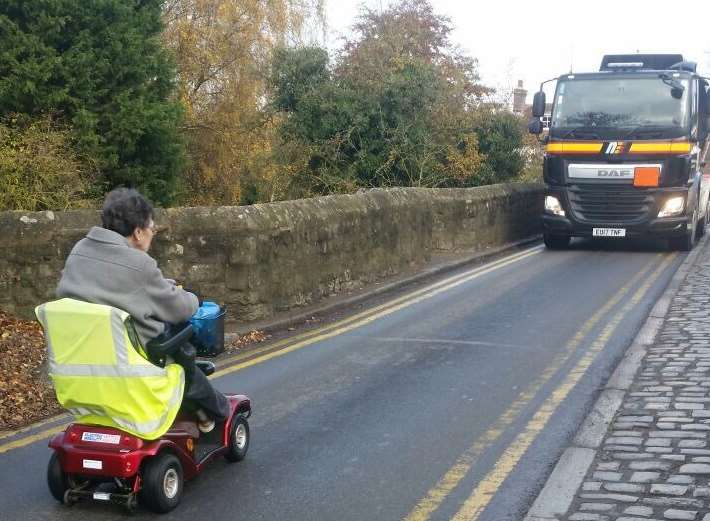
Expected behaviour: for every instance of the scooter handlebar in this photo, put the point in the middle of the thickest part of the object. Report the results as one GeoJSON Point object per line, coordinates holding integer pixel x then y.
{"type": "Point", "coordinates": [169, 342]}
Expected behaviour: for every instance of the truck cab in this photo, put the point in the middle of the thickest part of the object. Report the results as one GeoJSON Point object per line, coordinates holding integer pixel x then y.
{"type": "Point", "coordinates": [625, 152]}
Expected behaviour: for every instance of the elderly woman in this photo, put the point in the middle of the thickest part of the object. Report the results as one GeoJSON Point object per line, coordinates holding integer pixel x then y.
{"type": "Point", "coordinates": [111, 266]}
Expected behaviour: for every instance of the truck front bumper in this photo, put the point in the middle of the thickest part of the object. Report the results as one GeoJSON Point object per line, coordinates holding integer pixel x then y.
{"type": "Point", "coordinates": [664, 228]}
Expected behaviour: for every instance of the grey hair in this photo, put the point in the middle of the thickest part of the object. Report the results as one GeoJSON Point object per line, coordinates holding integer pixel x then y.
{"type": "Point", "coordinates": [124, 210]}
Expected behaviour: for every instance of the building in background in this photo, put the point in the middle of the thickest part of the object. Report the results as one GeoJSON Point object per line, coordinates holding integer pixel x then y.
{"type": "Point", "coordinates": [520, 95]}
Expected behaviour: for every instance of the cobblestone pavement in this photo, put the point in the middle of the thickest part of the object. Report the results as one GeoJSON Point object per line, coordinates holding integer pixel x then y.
{"type": "Point", "coordinates": [654, 463]}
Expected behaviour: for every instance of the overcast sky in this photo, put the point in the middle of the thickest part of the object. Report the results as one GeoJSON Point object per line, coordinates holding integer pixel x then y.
{"type": "Point", "coordinates": [537, 40]}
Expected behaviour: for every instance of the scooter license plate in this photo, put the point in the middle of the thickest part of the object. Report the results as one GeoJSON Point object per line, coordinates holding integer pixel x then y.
{"type": "Point", "coordinates": [608, 232]}
{"type": "Point", "coordinates": [100, 437]}
{"type": "Point", "coordinates": [92, 464]}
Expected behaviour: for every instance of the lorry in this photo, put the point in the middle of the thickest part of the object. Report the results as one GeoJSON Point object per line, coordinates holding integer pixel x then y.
{"type": "Point", "coordinates": [625, 152]}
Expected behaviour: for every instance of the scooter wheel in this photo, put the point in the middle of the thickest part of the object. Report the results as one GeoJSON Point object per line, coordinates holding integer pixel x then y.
{"type": "Point", "coordinates": [162, 483]}
{"type": "Point", "coordinates": [238, 439]}
{"type": "Point", "coordinates": [57, 478]}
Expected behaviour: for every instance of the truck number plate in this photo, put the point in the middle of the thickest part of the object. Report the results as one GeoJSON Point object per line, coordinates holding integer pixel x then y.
{"type": "Point", "coordinates": [608, 232]}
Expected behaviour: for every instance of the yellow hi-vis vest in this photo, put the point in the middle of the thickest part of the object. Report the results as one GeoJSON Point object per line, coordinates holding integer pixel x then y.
{"type": "Point", "coordinates": [100, 376]}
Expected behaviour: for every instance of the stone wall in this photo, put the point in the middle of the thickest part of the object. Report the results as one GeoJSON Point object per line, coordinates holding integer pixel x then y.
{"type": "Point", "coordinates": [263, 259]}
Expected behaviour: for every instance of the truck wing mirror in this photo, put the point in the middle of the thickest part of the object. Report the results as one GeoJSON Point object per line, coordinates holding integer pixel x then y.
{"type": "Point", "coordinates": [538, 108]}
{"type": "Point", "coordinates": [535, 126]}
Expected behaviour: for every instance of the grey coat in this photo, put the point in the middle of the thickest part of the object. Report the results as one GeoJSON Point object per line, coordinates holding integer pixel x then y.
{"type": "Point", "coordinates": [104, 269]}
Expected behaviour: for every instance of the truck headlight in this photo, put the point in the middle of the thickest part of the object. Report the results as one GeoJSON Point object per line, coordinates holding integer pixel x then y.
{"type": "Point", "coordinates": [553, 206]}
{"type": "Point", "coordinates": [672, 207]}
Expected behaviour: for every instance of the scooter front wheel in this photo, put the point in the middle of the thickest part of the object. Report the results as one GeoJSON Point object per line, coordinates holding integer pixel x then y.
{"type": "Point", "coordinates": [238, 439]}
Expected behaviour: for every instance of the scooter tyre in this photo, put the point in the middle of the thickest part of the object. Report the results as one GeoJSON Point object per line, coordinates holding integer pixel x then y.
{"type": "Point", "coordinates": [56, 478]}
{"type": "Point", "coordinates": [238, 440]}
{"type": "Point", "coordinates": [162, 483]}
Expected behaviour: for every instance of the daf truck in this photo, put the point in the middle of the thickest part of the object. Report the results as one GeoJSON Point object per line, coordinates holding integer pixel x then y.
{"type": "Point", "coordinates": [625, 152]}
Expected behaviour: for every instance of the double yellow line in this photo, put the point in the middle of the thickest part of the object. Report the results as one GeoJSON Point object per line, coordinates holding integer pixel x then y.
{"type": "Point", "coordinates": [511, 455]}
{"type": "Point", "coordinates": [283, 347]}
{"type": "Point", "coordinates": [361, 319]}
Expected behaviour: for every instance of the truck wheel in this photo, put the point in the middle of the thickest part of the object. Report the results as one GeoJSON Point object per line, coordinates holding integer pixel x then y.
{"type": "Point", "coordinates": [56, 478]}
{"type": "Point", "coordinates": [684, 243]}
{"type": "Point", "coordinates": [687, 241]}
{"type": "Point", "coordinates": [162, 483]}
{"type": "Point", "coordinates": [702, 225]}
{"type": "Point", "coordinates": [238, 440]}
{"type": "Point", "coordinates": [556, 242]}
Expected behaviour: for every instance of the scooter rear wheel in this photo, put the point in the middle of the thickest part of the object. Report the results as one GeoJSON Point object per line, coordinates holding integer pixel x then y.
{"type": "Point", "coordinates": [56, 478]}
{"type": "Point", "coordinates": [238, 439]}
{"type": "Point", "coordinates": [162, 483]}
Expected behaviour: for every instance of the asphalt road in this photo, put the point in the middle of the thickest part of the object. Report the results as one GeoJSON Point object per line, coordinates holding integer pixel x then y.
{"type": "Point", "coordinates": [453, 401]}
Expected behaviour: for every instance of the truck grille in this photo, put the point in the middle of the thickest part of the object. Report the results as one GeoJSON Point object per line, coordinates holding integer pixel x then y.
{"type": "Point", "coordinates": [621, 204]}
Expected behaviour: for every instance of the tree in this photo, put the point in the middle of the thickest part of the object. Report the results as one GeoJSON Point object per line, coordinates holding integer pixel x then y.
{"type": "Point", "coordinates": [407, 31]}
{"type": "Point", "coordinates": [500, 140]}
{"type": "Point", "coordinates": [100, 67]}
{"type": "Point", "coordinates": [40, 169]}
{"type": "Point", "coordinates": [397, 108]}
{"type": "Point", "coordinates": [224, 50]}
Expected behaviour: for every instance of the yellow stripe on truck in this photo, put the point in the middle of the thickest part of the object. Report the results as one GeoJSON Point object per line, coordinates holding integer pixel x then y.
{"type": "Point", "coordinates": [574, 148]}
{"type": "Point", "coordinates": [647, 147]}
{"type": "Point", "coordinates": [668, 147]}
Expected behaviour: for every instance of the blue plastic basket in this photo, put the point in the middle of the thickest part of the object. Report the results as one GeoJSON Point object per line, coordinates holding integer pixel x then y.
{"type": "Point", "coordinates": [208, 326]}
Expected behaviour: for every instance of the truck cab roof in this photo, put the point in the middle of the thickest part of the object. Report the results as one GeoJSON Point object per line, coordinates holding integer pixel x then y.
{"type": "Point", "coordinates": [626, 74]}
{"type": "Point", "coordinates": [646, 62]}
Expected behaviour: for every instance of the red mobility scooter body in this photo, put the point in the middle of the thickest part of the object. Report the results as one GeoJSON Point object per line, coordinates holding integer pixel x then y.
{"type": "Point", "coordinates": [87, 456]}
{"type": "Point", "coordinates": [107, 464]}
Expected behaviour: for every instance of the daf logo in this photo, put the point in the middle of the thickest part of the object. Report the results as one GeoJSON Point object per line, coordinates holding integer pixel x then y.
{"type": "Point", "coordinates": [615, 147]}
{"type": "Point", "coordinates": [625, 172]}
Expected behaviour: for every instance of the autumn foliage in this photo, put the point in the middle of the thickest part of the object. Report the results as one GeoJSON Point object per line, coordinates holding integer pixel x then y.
{"type": "Point", "coordinates": [223, 50]}
{"type": "Point", "coordinates": [400, 105]}
{"type": "Point", "coordinates": [97, 67]}
{"type": "Point", "coordinates": [40, 169]}
{"type": "Point", "coordinates": [205, 102]}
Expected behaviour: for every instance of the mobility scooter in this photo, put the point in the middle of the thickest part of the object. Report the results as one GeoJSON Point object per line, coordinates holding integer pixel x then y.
{"type": "Point", "coordinates": [101, 463]}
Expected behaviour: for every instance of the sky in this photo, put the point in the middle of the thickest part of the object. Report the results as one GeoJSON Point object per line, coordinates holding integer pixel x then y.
{"type": "Point", "coordinates": [535, 41]}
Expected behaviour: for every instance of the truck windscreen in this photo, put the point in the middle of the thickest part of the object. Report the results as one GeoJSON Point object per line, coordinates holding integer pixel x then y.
{"type": "Point", "coordinates": [606, 104]}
